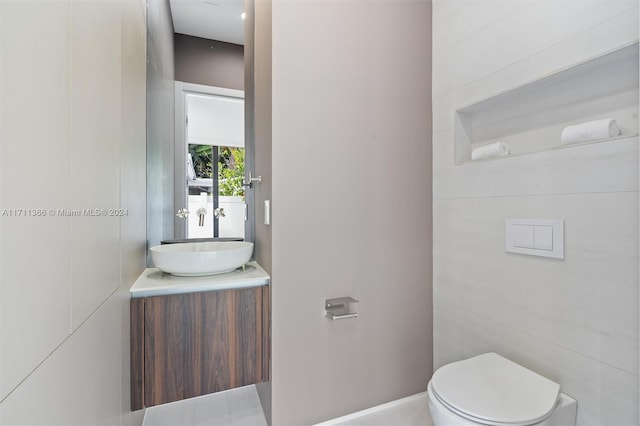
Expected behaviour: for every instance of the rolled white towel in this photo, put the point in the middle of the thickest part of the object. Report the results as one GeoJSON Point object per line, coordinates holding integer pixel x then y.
{"type": "Point", "coordinates": [591, 130]}
{"type": "Point", "coordinates": [191, 171]}
{"type": "Point", "coordinates": [496, 149]}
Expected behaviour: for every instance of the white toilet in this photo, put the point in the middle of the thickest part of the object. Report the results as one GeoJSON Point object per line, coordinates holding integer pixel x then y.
{"type": "Point", "coordinates": [491, 390]}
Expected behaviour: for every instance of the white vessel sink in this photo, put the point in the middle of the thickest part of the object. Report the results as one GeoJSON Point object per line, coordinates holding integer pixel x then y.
{"type": "Point", "coordinates": [204, 258]}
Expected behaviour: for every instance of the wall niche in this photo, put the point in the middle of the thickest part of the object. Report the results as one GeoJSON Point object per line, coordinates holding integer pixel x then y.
{"type": "Point", "coordinates": [530, 118]}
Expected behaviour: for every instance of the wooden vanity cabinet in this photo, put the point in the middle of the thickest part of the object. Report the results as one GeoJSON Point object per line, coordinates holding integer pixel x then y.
{"type": "Point", "coordinates": [186, 345]}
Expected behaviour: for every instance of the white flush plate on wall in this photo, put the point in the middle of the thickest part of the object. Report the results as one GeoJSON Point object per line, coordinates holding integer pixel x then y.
{"type": "Point", "coordinates": [537, 237]}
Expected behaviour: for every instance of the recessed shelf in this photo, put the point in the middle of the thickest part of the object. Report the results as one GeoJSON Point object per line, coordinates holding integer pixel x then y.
{"type": "Point", "coordinates": [554, 148]}
{"type": "Point", "coordinates": [530, 118]}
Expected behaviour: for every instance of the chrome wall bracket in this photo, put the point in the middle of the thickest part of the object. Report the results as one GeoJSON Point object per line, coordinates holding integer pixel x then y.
{"type": "Point", "coordinates": [340, 308]}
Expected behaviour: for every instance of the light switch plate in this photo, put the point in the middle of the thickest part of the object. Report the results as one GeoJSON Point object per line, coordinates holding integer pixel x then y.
{"type": "Point", "coordinates": [267, 212]}
{"type": "Point", "coordinates": [536, 237]}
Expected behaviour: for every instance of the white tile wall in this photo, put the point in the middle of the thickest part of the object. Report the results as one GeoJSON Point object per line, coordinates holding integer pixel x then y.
{"type": "Point", "coordinates": [73, 136]}
{"type": "Point", "coordinates": [469, 18]}
{"type": "Point", "coordinates": [79, 383]}
{"type": "Point", "coordinates": [535, 28]}
{"type": "Point", "coordinates": [35, 271]}
{"type": "Point", "coordinates": [95, 152]}
{"type": "Point", "coordinates": [610, 35]}
{"type": "Point", "coordinates": [133, 176]}
{"type": "Point", "coordinates": [587, 302]}
{"type": "Point", "coordinates": [574, 320]}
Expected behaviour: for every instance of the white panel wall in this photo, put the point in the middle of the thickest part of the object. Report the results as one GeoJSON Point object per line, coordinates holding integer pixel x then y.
{"type": "Point", "coordinates": [574, 320]}
{"type": "Point", "coordinates": [351, 204]}
{"type": "Point", "coordinates": [95, 134]}
{"type": "Point", "coordinates": [73, 78]}
{"type": "Point", "coordinates": [133, 177]}
{"type": "Point", "coordinates": [35, 145]}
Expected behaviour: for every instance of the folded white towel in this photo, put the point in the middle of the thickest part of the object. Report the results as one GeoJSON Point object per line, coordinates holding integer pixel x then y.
{"type": "Point", "coordinates": [496, 149]}
{"type": "Point", "coordinates": [591, 130]}
{"type": "Point", "coordinates": [191, 172]}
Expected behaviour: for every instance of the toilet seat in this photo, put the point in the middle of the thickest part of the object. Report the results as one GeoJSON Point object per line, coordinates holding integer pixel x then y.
{"type": "Point", "coordinates": [489, 389]}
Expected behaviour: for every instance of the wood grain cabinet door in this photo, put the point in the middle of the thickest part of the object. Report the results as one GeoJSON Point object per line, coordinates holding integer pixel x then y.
{"type": "Point", "coordinates": [199, 343]}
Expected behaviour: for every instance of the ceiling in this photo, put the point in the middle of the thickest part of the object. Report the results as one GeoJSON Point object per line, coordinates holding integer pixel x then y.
{"type": "Point", "coordinates": [213, 19]}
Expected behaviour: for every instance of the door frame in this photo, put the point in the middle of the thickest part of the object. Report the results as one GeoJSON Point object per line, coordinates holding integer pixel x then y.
{"type": "Point", "coordinates": [183, 89]}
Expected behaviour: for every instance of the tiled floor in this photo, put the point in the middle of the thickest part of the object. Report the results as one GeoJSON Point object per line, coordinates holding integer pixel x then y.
{"type": "Point", "coordinates": [235, 407]}
{"type": "Point", "coordinates": [241, 407]}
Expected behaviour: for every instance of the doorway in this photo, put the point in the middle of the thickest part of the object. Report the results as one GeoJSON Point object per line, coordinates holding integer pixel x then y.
{"type": "Point", "coordinates": [210, 162]}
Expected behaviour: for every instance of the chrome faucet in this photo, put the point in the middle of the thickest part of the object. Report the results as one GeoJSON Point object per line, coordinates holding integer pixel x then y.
{"type": "Point", "coordinates": [201, 214]}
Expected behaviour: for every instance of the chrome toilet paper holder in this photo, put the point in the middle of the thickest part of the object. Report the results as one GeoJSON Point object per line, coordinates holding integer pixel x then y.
{"type": "Point", "coordinates": [339, 308]}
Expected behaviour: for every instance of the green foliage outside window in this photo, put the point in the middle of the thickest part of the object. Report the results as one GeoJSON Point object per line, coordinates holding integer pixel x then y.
{"type": "Point", "coordinates": [230, 167]}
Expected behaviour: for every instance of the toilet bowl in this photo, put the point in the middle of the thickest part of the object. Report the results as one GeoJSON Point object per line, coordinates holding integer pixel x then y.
{"type": "Point", "coordinates": [491, 390]}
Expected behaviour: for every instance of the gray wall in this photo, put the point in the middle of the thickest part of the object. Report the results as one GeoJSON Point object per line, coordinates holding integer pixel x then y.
{"type": "Point", "coordinates": [573, 320]}
{"type": "Point", "coordinates": [261, 95]}
{"type": "Point", "coordinates": [208, 62]}
{"type": "Point", "coordinates": [73, 87]}
{"type": "Point", "coordinates": [160, 122]}
{"type": "Point", "coordinates": [262, 122]}
{"type": "Point", "coordinates": [351, 158]}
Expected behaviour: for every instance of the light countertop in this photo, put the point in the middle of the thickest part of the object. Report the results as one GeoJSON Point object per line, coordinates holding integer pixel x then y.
{"type": "Point", "coordinates": [154, 282]}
